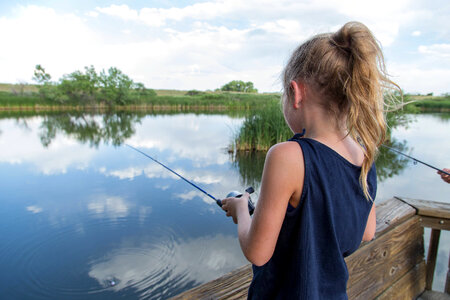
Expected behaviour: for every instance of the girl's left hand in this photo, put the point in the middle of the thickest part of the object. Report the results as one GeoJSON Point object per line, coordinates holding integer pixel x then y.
{"type": "Point", "coordinates": [234, 205]}
{"type": "Point", "coordinates": [444, 176]}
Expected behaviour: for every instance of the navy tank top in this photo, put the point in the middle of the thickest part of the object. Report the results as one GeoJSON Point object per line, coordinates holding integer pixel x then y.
{"type": "Point", "coordinates": [326, 226]}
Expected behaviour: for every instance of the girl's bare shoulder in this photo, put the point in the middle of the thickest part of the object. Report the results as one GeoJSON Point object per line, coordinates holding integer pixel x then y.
{"type": "Point", "coordinates": [285, 156]}
{"type": "Point", "coordinates": [285, 150]}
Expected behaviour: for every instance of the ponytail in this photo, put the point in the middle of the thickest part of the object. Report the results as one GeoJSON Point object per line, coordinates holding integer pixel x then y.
{"type": "Point", "coordinates": [347, 68]}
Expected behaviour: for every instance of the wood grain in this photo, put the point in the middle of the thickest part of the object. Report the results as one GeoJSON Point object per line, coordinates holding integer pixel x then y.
{"type": "Point", "coordinates": [429, 208]}
{"type": "Point", "coordinates": [435, 223]}
{"type": "Point", "coordinates": [391, 212]}
{"type": "Point", "coordinates": [375, 267]}
{"type": "Point", "coordinates": [432, 255]}
{"type": "Point", "coordinates": [233, 285]}
{"type": "Point", "coordinates": [408, 287]}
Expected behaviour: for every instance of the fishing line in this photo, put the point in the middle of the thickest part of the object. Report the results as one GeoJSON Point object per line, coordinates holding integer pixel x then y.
{"type": "Point", "coordinates": [249, 190]}
{"type": "Point", "coordinates": [416, 160]}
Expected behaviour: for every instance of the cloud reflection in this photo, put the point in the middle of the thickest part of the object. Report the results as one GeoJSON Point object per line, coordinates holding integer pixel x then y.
{"type": "Point", "coordinates": [192, 194]}
{"type": "Point", "coordinates": [153, 170]}
{"type": "Point", "coordinates": [34, 209]}
{"type": "Point", "coordinates": [181, 135]}
{"type": "Point", "coordinates": [111, 207]}
{"type": "Point", "coordinates": [158, 268]}
{"type": "Point", "coordinates": [177, 136]}
{"type": "Point", "coordinates": [16, 142]}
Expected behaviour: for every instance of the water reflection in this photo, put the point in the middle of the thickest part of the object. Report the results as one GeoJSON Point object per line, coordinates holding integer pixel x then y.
{"type": "Point", "coordinates": [34, 209]}
{"type": "Point", "coordinates": [390, 163]}
{"type": "Point", "coordinates": [83, 219]}
{"type": "Point", "coordinates": [162, 268]}
{"type": "Point", "coordinates": [111, 207]}
{"type": "Point", "coordinates": [86, 128]}
{"type": "Point", "coordinates": [21, 145]}
{"type": "Point", "coordinates": [119, 127]}
{"type": "Point", "coordinates": [250, 166]}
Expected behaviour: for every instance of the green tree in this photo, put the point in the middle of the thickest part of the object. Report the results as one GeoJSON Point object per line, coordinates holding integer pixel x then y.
{"type": "Point", "coordinates": [115, 86]}
{"type": "Point", "coordinates": [40, 76]}
{"type": "Point", "coordinates": [47, 89]}
{"type": "Point", "coordinates": [79, 86]}
{"type": "Point", "coordinates": [239, 86]}
{"type": "Point", "coordinates": [112, 86]}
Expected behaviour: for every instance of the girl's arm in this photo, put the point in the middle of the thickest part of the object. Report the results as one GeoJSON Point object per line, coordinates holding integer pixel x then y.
{"type": "Point", "coordinates": [282, 179]}
{"type": "Point", "coordinates": [371, 225]}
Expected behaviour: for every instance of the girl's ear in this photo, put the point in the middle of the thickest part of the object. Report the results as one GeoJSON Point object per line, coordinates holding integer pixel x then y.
{"type": "Point", "coordinates": [298, 89]}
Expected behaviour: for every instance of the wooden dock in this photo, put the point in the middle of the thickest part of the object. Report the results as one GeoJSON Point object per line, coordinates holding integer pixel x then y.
{"type": "Point", "coordinates": [391, 266]}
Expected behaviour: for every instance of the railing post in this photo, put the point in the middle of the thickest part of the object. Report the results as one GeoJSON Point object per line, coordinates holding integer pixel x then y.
{"type": "Point", "coordinates": [447, 283]}
{"type": "Point", "coordinates": [431, 258]}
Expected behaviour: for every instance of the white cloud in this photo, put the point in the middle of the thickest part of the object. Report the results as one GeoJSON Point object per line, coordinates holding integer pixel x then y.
{"type": "Point", "coordinates": [436, 50]}
{"type": "Point", "coordinates": [202, 45]}
{"type": "Point", "coordinates": [92, 14]}
{"type": "Point", "coordinates": [159, 16]}
{"type": "Point", "coordinates": [415, 78]}
{"type": "Point", "coordinates": [40, 35]}
{"type": "Point", "coordinates": [430, 72]}
{"type": "Point", "coordinates": [121, 11]}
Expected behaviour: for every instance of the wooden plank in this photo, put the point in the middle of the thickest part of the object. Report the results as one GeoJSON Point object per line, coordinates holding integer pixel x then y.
{"type": "Point", "coordinates": [435, 223]}
{"type": "Point", "coordinates": [233, 285]}
{"type": "Point", "coordinates": [374, 267]}
{"type": "Point", "coordinates": [432, 295]}
{"type": "Point", "coordinates": [411, 285]}
{"type": "Point", "coordinates": [432, 254]}
{"type": "Point", "coordinates": [390, 213]}
{"type": "Point", "coordinates": [429, 208]}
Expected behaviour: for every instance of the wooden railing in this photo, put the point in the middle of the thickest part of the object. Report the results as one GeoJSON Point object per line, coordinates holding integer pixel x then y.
{"type": "Point", "coordinates": [435, 215]}
{"type": "Point", "coordinates": [391, 266]}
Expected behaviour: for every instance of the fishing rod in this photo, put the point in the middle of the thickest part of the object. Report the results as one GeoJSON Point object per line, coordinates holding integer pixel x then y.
{"type": "Point", "coordinates": [416, 160]}
{"type": "Point", "coordinates": [251, 206]}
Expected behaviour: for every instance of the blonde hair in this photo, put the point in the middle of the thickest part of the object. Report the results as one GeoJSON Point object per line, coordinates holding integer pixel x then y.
{"type": "Point", "coordinates": [347, 69]}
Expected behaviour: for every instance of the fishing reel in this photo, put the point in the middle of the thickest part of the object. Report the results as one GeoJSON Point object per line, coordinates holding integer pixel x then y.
{"type": "Point", "coordinates": [251, 205]}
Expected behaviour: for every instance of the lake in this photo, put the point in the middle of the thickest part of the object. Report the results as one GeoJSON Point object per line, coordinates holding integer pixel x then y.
{"type": "Point", "coordinates": [82, 216]}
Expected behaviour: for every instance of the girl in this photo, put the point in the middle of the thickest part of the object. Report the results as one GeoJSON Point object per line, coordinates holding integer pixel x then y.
{"type": "Point", "coordinates": [317, 189]}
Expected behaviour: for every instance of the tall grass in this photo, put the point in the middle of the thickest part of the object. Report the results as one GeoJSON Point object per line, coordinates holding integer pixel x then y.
{"type": "Point", "coordinates": [266, 126]}
{"type": "Point", "coordinates": [263, 128]}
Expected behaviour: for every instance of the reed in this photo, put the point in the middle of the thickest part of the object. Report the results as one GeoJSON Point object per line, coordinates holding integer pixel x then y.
{"type": "Point", "coordinates": [266, 126]}
{"type": "Point", "coordinates": [262, 128]}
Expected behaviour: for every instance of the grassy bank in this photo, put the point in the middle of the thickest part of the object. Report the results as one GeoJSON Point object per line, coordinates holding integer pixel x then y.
{"type": "Point", "coordinates": [164, 99]}
{"type": "Point", "coordinates": [429, 103]}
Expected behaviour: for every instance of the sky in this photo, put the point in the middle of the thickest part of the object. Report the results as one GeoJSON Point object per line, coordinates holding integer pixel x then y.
{"type": "Point", "coordinates": [202, 45]}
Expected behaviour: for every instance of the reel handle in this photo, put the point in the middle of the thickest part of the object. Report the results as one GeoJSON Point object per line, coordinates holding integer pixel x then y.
{"type": "Point", "coordinates": [251, 205]}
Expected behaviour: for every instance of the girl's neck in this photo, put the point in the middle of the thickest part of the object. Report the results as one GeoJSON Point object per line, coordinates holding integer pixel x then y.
{"type": "Point", "coordinates": [323, 126]}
